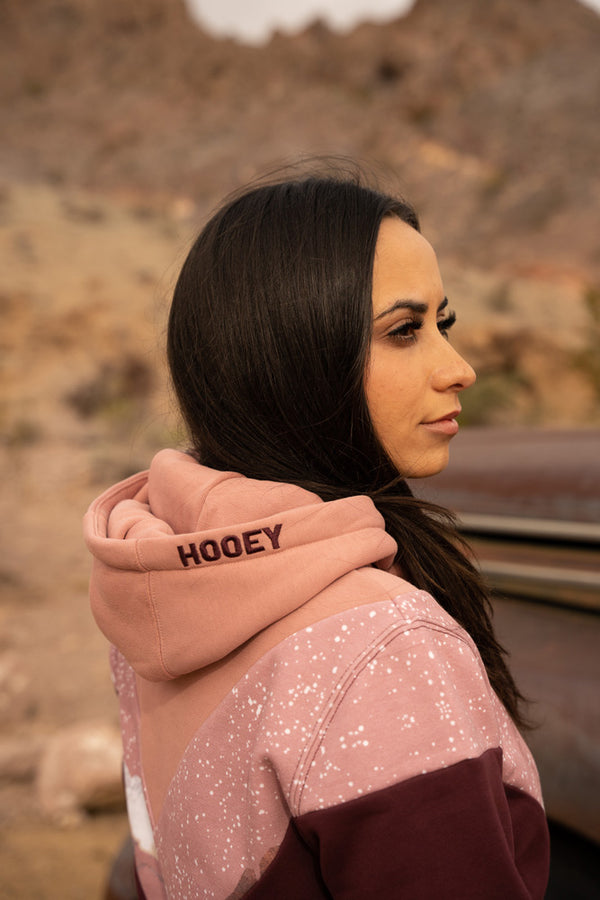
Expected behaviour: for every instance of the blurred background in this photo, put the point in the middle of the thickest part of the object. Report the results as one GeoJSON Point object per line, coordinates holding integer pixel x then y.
{"type": "Point", "coordinates": [123, 125]}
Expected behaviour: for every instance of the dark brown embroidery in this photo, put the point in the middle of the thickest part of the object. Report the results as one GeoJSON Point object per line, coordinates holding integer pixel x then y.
{"type": "Point", "coordinates": [231, 546]}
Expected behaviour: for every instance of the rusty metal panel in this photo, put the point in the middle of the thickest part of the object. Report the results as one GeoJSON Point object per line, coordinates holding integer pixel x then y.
{"type": "Point", "coordinates": [534, 473]}
{"type": "Point", "coordinates": [528, 502]}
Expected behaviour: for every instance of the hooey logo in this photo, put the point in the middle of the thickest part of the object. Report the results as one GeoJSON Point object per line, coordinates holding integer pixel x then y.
{"type": "Point", "coordinates": [230, 546]}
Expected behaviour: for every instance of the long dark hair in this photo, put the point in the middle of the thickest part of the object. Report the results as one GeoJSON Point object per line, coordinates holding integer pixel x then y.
{"type": "Point", "coordinates": [268, 342]}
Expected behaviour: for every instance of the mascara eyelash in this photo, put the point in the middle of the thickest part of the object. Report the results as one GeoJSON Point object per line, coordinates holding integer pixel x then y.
{"type": "Point", "coordinates": [402, 331]}
{"type": "Point", "coordinates": [447, 323]}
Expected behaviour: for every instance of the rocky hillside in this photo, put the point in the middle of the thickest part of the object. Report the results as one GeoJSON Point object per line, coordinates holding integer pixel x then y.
{"type": "Point", "coordinates": [502, 96]}
{"type": "Point", "coordinates": [487, 112]}
{"type": "Point", "coordinates": [485, 115]}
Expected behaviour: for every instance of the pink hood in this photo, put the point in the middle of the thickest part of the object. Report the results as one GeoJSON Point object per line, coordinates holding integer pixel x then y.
{"type": "Point", "coordinates": [189, 563]}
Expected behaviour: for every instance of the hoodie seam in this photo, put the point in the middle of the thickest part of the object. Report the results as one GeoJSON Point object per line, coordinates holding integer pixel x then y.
{"type": "Point", "coordinates": [156, 618]}
{"type": "Point", "coordinates": [329, 708]}
{"type": "Point", "coordinates": [138, 555]}
{"type": "Point", "coordinates": [338, 694]}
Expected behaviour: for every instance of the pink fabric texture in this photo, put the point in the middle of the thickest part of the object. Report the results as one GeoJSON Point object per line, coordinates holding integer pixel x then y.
{"type": "Point", "coordinates": [379, 686]}
{"type": "Point", "coordinates": [172, 612]}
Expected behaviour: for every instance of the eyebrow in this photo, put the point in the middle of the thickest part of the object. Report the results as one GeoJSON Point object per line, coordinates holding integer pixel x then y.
{"type": "Point", "coordinates": [414, 305]}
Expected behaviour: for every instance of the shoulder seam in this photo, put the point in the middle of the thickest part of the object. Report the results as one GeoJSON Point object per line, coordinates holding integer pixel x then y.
{"type": "Point", "coordinates": [338, 693]}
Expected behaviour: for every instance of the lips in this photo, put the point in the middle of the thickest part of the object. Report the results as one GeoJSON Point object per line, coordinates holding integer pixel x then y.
{"type": "Point", "coordinates": [451, 415]}
{"type": "Point", "coordinates": [445, 424]}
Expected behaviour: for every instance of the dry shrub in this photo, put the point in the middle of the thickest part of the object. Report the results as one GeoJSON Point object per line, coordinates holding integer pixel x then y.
{"type": "Point", "coordinates": [114, 389]}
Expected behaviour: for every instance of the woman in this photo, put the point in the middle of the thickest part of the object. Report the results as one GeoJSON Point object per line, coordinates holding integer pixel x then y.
{"type": "Point", "coordinates": [312, 698]}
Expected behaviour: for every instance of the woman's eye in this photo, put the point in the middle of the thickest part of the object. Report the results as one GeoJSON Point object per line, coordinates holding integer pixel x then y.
{"type": "Point", "coordinates": [446, 324]}
{"type": "Point", "coordinates": [407, 331]}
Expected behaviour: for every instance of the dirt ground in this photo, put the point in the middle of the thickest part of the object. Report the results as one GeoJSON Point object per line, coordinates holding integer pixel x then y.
{"type": "Point", "coordinates": [67, 431]}
{"type": "Point", "coordinates": [41, 862]}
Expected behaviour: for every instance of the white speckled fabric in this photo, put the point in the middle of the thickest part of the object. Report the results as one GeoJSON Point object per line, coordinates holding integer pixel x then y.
{"type": "Point", "coordinates": [348, 706]}
{"type": "Point", "coordinates": [334, 684]}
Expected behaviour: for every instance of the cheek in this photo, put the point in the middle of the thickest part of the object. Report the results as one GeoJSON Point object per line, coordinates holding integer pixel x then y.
{"type": "Point", "coordinates": [390, 397]}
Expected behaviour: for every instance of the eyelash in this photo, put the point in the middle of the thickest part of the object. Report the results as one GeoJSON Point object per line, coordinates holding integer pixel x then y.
{"type": "Point", "coordinates": [405, 333]}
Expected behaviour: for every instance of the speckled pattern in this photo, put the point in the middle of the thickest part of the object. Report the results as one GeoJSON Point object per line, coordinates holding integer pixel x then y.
{"type": "Point", "coordinates": [284, 692]}
{"type": "Point", "coordinates": [349, 705]}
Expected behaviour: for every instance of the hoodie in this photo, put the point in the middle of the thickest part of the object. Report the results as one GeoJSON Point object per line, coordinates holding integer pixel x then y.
{"type": "Point", "coordinates": [298, 721]}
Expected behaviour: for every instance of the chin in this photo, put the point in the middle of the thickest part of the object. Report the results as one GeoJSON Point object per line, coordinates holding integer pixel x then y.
{"type": "Point", "coordinates": [430, 464]}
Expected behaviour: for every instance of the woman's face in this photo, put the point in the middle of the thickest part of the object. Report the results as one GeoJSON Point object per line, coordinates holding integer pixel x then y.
{"type": "Point", "coordinates": [414, 376]}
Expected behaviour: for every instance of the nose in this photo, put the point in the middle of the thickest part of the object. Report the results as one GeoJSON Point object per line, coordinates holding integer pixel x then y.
{"type": "Point", "coordinates": [452, 372]}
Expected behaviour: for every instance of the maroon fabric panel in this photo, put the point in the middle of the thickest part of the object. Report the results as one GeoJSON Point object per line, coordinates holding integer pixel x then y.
{"type": "Point", "coordinates": [293, 874]}
{"type": "Point", "coordinates": [455, 833]}
{"type": "Point", "coordinates": [527, 843]}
